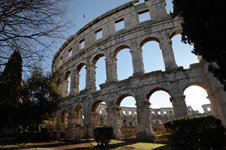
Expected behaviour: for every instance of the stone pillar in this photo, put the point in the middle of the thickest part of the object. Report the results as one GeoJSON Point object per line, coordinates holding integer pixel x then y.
{"type": "Point", "coordinates": [167, 51]}
{"type": "Point", "coordinates": [74, 83]}
{"type": "Point", "coordinates": [111, 68]}
{"type": "Point", "coordinates": [78, 133]}
{"type": "Point", "coordinates": [58, 125]}
{"type": "Point", "coordinates": [71, 125]}
{"type": "Point", "coordinates": [114, 121]}
{"type": "Point", "coordinates": [91, 77]}
{"type": "Point", "coordinates": [138, 66]}
{"type": "Point", "coordinates": [90, 123]}
{"type": "Point", "coordinates": [179, 106]}
{"type": "Point", "coordinates": [144, 132]}
{"type": "Point", "coordinates": [64, 87]}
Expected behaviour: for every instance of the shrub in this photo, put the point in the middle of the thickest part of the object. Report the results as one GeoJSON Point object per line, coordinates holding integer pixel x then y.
{"type": "Point", "coordinates": [193, 133]}
{"type": "Point", "coordinates": [103, 135]}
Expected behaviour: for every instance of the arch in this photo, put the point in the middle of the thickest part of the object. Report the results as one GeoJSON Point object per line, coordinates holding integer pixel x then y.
{"type": "Point", "coordinates": [119, 48]}
{"type": "Point", "coordinates": [175, 32]}
{"type": "Point", "coordinates": [79, 67]}
{"type": "Point", "coordinates": [196, 96]}
{"type": "Point", "coordinates": [66, 84]}
{"type": "Point", "coordinates": [67, 74]}
{"type": "Point", "coordinates": [95, 105]}
{"type": "Point", "coordinates": [121, 97]}
{"type": "Point", "coordinates": [128, 115]}
{"type": "Point", "coordinates": [157, 89]}
{"type": "Point", "coordinates": [183, 52]}
{"type": "Point", "coordinates": [100, 70]}
{"type": "Point", "coordinates": [77, 109]}
{"type": "Point", "coordinates": [152, 55]}
{"type": "Point", "coordinates": [160, 97]}
{"type": "Point", "coordinates": [124, 68]}
{"type": "Point", "coordinates": [147, 39]}
{"type": "Point", "coordinates": [81, 75]}
{"type": "Point", "coordinates": [64, 118]}
{"type": "Point", "coordinates": [78, 114]}
{"type": "Point", "coordinates": [197, 83]}
{"type": "Point", "coordinates": [99, 113]}
{"type": "Point", "coordinates": [97, 57]}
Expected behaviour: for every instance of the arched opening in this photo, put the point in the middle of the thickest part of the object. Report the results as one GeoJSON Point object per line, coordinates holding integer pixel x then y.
{"type": "Point", "coordinates": [82, 77]}
{"type": "Point", "coordinates": [152, 57]}
{"type": "Point", "coordinates": [161, 107]}
{"type": "Point", "coordinates": [100, 71]}
{"type": "Point", "coordinates": [124, 63]}
{"type": "Point", "coordinates": [100, 108]}
{"type": "Point", "coordinates": [79, 115]}
{"type": "Point", "coordinates": [67, 82]}
{"type": "Point", "coordinates": [128, 116]}
{"type": "Point", "coordinates": [64, 119]}
{"type": "Point", "coordinates": [182, 52]}
{"type": "Point", "coordinates": [58, 85]}
{"type": "Point", "coordinates": [169, 6]}
{"type": "Point", "coordinates": [196, 101]}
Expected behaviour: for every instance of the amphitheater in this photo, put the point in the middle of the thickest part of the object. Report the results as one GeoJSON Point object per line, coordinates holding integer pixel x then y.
{"type": "Point", "coordinates": [78, 108]}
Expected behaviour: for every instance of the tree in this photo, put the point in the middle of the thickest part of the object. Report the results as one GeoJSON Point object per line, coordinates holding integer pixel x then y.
{"type": "Point", "coordinates": [10, 87]}
{"type": "Point", "coordinates": [31, 26]}
{"type": "Point", "coordinates": [204, 27]}
{"type": "Point", "coordinates": [39, 98]}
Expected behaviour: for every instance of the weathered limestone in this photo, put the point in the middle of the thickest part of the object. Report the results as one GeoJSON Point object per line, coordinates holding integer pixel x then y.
{"type": "Point", "coordinates": [161, 28]}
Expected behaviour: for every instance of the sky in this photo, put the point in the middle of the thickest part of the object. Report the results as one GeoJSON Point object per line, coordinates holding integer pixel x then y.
{"type": "Point", "coordinates": [81, 12]}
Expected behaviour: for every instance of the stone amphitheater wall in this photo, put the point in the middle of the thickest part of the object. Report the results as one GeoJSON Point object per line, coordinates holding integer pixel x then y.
{"type": "Point", "coordinates": [84, 49]}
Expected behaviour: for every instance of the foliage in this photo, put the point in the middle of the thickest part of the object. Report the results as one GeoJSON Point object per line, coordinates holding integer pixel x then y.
{"type": "Point", "coordinates": [39, 98]}
{"type": "Point", "coordinates": [33, 136]}
{"type": "Point", "coordinates": [10, 86]}
{"type": "Point", "coordinates": [30, 26]}
{"type": "Point", "coordinates": [193, 133]}
{"type": "Point", "coordinates": [204, 27]}
{"type": "Point", "coordinates": [103, 135]}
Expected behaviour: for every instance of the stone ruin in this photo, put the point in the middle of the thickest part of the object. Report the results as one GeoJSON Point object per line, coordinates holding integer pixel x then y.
{"type": "Point", "coordinates": [84, 48]}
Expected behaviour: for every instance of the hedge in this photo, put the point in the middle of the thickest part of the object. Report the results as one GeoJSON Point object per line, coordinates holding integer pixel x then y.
{"type": "Point", "coordinates": [103, 135]}
{"type": "Point", "coordinates": [196, 133]}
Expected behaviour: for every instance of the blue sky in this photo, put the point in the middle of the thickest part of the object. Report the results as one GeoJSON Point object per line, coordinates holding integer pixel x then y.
{"type": "Point", "coordinates": [83, 11]}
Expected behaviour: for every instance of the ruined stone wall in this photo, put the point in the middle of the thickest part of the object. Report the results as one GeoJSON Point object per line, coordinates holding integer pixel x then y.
{"type": "Point", "coordinates": [83, 49]}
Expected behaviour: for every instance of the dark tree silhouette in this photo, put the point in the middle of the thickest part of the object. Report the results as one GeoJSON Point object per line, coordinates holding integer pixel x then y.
{"type": "Point", "coordinates": [204, 27]}
{"type": "Point", "coordinates": [30, 26]}
{"type": "Point", "coordinates": [10, 86]}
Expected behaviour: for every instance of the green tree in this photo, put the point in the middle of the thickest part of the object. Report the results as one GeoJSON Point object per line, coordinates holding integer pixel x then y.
{"type": "Point", "coordinates": [10, 87]}
{"type": "Point", "coordinates": [204, 27]}
{"type": "Point", "coordinates": [39, 98]}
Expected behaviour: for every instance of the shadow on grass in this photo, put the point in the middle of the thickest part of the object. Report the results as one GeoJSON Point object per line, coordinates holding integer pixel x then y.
{"type": "Point", "coordinates": [114, 145]}
{"type": "Point", "coordinates": [162, 148]}
{"type": "Point", "coordinates": [13, 144]}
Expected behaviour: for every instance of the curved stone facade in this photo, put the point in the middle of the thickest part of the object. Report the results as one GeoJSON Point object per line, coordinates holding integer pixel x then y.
{"type": "Point", "coordinates": [85, 48]}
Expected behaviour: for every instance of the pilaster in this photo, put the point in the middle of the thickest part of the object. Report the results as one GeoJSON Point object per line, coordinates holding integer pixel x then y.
{"type": "Point", "coordinates": [111, 68]}
{"type": "Point", "coordinates": [167, 51]}
{"type": "Point", "coordinates": [179, 106]}
{"type": "Point", "coordinates": [144, 132]}
{"type": "Point", "coordinates": [138, 66]}
{"type": "Point", "coordinates": [91, 77]}
{"type": "Point", "coordinates": [114, 120]}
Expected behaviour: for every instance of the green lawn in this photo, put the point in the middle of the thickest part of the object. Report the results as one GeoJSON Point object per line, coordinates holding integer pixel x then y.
{"type": "Point", "coordinates": [125, 145]}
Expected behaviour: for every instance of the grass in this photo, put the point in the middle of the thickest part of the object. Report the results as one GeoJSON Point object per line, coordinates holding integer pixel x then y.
{"type": "Point", "coordinates": [125, 145]}
{"type": "Point", "coordinates": [90, 144]}
{"type": "Point", "coordinates": [25, 144]}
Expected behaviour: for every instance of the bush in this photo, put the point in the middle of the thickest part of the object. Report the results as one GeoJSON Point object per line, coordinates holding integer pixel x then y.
{"type": "Point", "coordinates": [103, 135]}
{"type": "Point", "coordinates": [33, 136]}
{"type": "Point", "coordinates": [193, 133]}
